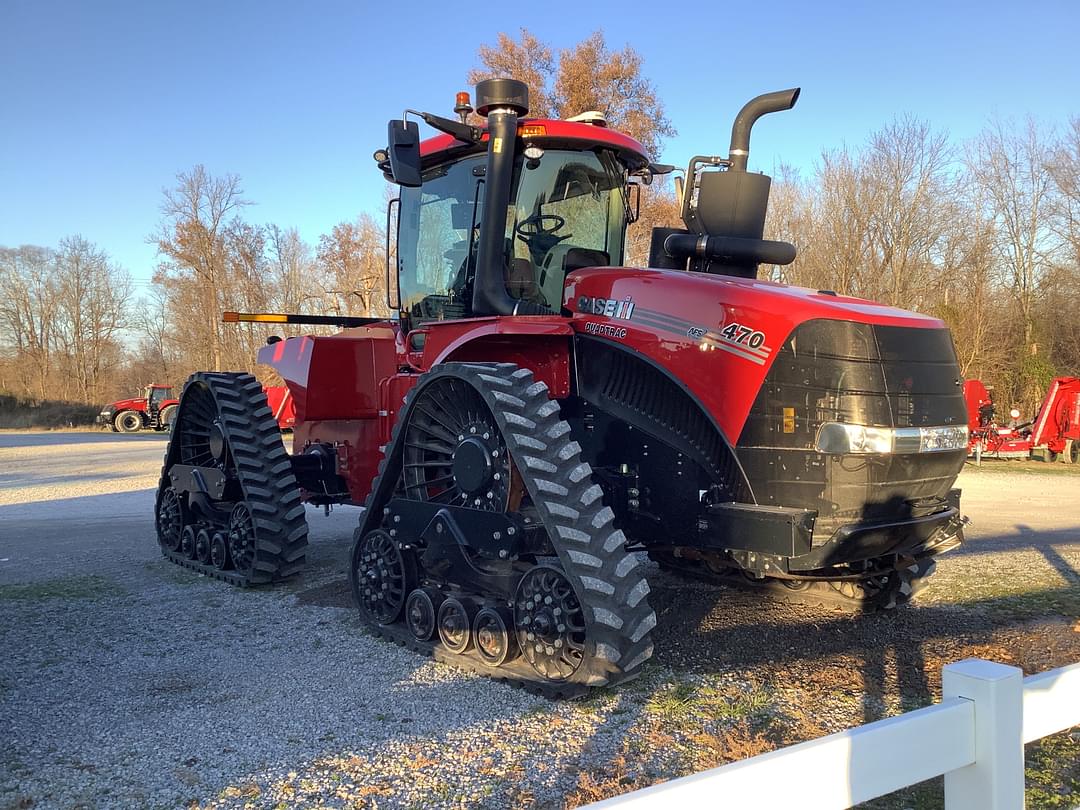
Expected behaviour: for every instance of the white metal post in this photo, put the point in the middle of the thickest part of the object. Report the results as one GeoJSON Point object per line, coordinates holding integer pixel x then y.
{"type": "Point", "coordinates": [996, 780]}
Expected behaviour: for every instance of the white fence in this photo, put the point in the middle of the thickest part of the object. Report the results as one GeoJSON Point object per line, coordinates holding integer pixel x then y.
{"type": "Point", "coordinates": [975, 738]}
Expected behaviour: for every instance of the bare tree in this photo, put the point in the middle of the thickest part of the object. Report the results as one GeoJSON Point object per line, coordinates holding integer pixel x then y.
{"type": "Point", "coordinates": [353, 267]}
{"type": "Point", "coordinates": [192, 239]}
{"type": "Point", "coordinates": [93, 298]}
{"type": "Point", "coordinates": [27, 315]}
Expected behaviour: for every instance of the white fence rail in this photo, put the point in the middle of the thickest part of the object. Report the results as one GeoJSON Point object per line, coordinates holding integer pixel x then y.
{"type": "Point", "coordinates": [975, 738]}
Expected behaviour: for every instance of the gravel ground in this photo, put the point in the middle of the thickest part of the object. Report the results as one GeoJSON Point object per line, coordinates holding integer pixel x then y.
{"type": "Point", "coordinates": [128, 682]}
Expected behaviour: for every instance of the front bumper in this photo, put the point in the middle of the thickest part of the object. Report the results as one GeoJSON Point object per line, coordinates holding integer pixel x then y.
{"type": "Point", "coordinates": [783, 538]}
{"type": "Point", "coordinates": [104, 418]}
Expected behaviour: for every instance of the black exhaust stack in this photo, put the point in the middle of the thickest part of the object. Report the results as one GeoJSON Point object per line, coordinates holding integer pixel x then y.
{"type": "Point", "coordinates": [724, 207]}
{"type": "Point", "coordinates": [503, 101]}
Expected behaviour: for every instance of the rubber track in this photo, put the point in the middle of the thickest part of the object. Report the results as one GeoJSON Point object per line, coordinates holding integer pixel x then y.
{"type": "Point", "coordinates": [517, 673]}
{"type": "Point", "coordinates": [607, 579]}
{"type": "Point", "coordinates": [265, 472]}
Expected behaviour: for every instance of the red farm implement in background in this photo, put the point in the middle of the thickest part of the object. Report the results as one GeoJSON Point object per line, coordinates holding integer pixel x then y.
{"type": "Point", "coordinates": [1055, 430]}
{"type": "Point", "coordinates": [156, 409]}
{"type": "Point", "coordinates": [536, 413]}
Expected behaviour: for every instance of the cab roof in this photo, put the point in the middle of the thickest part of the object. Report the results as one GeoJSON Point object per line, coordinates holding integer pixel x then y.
{"type": "Point", "coordinates": [545, 132]}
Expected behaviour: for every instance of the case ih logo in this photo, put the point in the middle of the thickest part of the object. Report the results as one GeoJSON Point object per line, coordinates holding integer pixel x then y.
{"type": "Point", "coordinates": [610, 307]}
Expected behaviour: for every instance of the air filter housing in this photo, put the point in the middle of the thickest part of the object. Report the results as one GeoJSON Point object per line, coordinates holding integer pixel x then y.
{"type": "Point", "coordinates": [494, 93]}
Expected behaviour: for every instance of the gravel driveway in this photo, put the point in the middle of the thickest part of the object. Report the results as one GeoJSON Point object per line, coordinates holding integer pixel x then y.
{"type": "Point", "coordinates": [128, 682]}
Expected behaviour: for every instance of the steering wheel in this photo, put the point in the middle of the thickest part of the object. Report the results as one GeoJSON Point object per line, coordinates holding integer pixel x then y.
{"type": "Point", "coordinates": [537, 225]}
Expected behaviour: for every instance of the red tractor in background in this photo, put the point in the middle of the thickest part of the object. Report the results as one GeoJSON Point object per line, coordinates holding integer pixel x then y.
{"type": "Point", "coordinates": [537, 418]}
{"type": "Point", "coordinates": [1056, 428]}
{"type": "Point", "coordinates": [156, 409]}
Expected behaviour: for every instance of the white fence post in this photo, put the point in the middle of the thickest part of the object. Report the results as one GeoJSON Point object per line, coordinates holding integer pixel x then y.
{"type": "Point", "coordinates": [996, 780]}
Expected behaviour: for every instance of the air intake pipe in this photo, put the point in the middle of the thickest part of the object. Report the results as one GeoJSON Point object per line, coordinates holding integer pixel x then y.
{"type": "Point", "coordinates": [503, 101]}
{"type": "Point", "coordinates": [724, 207]}
{"type": "Point", "coordinates": [739, 151]}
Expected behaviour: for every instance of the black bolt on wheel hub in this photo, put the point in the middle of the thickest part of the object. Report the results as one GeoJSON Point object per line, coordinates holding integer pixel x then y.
{"type": "Point", "coordinates": [421, 609]}
{"type": "Point", "coordinates": [491, 631]}
{"type": "Point", "coordinates": [550, 623]}
{"type": "Point", "coordinates": [219, 550]}
{"type": "Point", "coordinates": [242, 545]}
{"type": "Point", "coordinates": [187, 542]}
{"type": "Point", "coordinates": [170, 520]}
{"type": "Point", "coordinates": [381, 577]}
{"type": "Point", "coordinates": [455, 630]}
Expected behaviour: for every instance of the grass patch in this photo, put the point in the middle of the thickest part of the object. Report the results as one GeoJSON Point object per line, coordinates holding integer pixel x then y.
{"type": "Point", "coordinates": [73, 587]}
{"type": "Point", "coordinates": [1009, 599]}
{"type": "Point", "coordinates": [1053, 771]}
{"type": "Point", "coordinates": [673, 702]}
{"type": "Point", "coordinates": [997, 466]}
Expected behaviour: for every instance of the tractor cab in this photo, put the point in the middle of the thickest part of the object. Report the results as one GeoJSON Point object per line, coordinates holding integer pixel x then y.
{"type": "Point", "coordinates": [568, 210]}
{"type": "Point", "coordinates": [492, 219]}
{"type": "Point", "coordinates": [155, 396]}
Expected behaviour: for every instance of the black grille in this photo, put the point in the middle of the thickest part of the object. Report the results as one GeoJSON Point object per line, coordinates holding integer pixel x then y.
{"type": "Point", "coordinates": [838, 371]}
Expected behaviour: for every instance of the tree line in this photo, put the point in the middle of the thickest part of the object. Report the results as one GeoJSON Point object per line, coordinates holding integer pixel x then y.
{"type": "Point", "coordinates": [984, 234]}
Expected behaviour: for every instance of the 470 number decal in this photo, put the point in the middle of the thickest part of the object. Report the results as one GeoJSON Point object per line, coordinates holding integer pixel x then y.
{"type": "Point", "coordinates": [737, 333]}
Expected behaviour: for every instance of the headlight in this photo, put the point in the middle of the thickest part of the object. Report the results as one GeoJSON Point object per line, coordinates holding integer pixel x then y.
{"type": "Point", "coordinates": [841, 438]}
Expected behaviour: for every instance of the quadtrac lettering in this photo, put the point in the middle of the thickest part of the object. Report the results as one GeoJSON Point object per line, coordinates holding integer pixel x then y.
{"type": "Point", "coordinates": [609, 307]}
{"type": "Point", "coordinates": [605, 330]}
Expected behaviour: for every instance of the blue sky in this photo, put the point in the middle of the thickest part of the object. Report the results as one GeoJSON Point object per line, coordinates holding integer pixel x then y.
{"type": "Point", "coordinates": [102, 103]}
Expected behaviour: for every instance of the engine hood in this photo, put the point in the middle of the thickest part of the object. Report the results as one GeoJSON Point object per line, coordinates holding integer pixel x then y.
{"type": "Point", "coordinates": [128, 405]}
{"type": "Point", "coordinates": [716, 335]}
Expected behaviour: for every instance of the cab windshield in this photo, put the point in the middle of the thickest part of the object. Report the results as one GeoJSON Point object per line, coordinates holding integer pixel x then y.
{"type": "Point", "coordinates": [568, 211]}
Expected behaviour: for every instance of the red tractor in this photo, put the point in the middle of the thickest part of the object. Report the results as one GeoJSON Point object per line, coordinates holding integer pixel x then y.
{"type": "Point", "coordinates": [1056, 429]}
{"type": "Point", "coordinates": [537, 418]}
{"type": "Point", "coordinates": [154, 410]}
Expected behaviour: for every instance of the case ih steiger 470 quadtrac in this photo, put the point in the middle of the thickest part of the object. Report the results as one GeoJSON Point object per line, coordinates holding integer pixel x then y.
{"type": "Point", "coordinates": [537, 413]}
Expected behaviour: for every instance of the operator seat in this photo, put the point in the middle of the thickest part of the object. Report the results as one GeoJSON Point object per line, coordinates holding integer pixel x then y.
{"type": "Point", "coordinates": [521, 281]}
{"type": "Point", "coordinates": [579, 257]}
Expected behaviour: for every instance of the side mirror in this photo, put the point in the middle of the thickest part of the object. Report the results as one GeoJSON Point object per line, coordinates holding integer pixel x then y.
{"type": "Point", "coordinates": [404, 148]}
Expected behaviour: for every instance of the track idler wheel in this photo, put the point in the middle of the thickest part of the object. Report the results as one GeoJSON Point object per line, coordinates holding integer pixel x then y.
{"type": "Point", "coordinates": [494, 636]}
{"type": "Point", "coordinates": [170, 519]}
{"type": "Point", "coordinates": [187, 542]}
{"type": "Point", "coordinates": [550, 623]}
{"type": "Point", "coordinates": [421, 611]}
{"type": "Point", "coordinates": [383, 575]}
{"type": "Point", "coordinates": [242, 540]}
{"type": "Point", "coordinates": [455, 625]}
{"type": "Point", "coordinates": [219, 551]}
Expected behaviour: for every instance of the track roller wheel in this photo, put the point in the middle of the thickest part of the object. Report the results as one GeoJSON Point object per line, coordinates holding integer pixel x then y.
{"type": "Point", "coordinates": [421, 610]}
{"type": "Point", "coordinates": [455, 625]}
{"type": "Point", "coordinates": [224, 429]}
{"type": "Point", "coordinates": [384, 576]}
{"type": "Point", "coordinates": [494, 638]}
{"type": "Point", "coordinates": [202, 546]}
{"type": "Point", "coordinates": [187, 542]}
{"type": "Point", "coordinates": [170, 519]}
{"type": "Point", "coordinates": [219, 551]}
